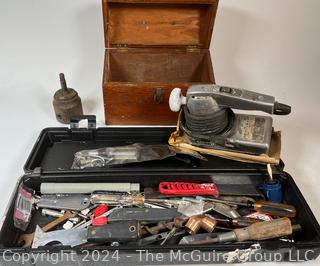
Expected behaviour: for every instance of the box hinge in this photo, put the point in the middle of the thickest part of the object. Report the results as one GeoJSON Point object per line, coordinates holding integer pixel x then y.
{"type": "Point", "coordinates": [123, 47]}
{"type": "Point", "coordinates": [77, 132]}
{"type": "Point", "coordinates": [193, 49]}
{"type": "Point", "coordinates": [74, 121]}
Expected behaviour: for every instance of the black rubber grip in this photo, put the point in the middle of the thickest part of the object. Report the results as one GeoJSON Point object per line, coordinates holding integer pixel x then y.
{"type": "Point", "coordinates": [281, 109]}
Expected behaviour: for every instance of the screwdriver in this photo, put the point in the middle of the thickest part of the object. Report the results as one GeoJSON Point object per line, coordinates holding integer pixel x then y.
{"type": "Point", "coordinates": [274, 209]}
{"type": "Point", "coordinates": [257, 231]}
{"type": "Point", "coordinates": [238, 222]}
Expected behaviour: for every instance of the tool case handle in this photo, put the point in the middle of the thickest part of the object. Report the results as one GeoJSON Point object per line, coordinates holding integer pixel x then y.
{"type": "Point", "coordinates": [92, 121]}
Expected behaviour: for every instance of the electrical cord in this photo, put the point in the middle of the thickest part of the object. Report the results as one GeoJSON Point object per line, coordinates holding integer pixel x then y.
{"type": "Point", "coordinates": [214, 124]}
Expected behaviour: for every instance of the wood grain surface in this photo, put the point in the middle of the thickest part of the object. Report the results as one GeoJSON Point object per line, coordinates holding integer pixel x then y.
{"type": "Point", "coordinates": [154, 46]}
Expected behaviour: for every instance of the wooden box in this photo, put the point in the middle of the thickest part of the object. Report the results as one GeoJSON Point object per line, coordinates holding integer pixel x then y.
{"type": "Point", "coordinates": [151, 48]}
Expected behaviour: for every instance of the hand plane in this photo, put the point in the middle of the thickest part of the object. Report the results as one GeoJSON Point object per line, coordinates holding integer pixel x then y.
{"type": "Point", "coordinates": [209, 121]}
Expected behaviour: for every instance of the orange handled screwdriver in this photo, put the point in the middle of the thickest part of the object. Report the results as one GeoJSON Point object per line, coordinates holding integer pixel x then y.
{"type": "Point", "coordinates": [274, 209]}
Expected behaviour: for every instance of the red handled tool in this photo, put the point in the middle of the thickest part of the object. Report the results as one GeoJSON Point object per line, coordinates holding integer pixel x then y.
{"type": "Point", "coordinates": [99, 221]}
{"type": "Point", "coordinates": [179, 188]}
{"type": "Point", "coordinates": [100, 210]}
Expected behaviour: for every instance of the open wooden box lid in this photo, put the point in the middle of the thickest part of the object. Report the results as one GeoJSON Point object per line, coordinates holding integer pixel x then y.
{"type": "Point", "coordinates": [159, 23]}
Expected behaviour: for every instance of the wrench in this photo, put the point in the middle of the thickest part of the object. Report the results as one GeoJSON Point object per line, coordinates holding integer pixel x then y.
{"type": "Point", "coordinates": [26, 239]}
{"type": "Point", "coordinates": [75, 202]}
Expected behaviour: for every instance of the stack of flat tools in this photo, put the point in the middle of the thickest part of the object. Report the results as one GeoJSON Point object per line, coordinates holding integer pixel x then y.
{"type": "Point", "coordinates": [172, 213]}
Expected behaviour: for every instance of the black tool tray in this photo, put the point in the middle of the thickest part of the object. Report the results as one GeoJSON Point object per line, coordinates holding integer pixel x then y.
{"type": "Point", "coordinates": [51, 160]}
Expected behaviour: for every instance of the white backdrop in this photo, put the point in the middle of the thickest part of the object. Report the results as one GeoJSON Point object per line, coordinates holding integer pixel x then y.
{"type": "Point", "coordinates": [268, 46]}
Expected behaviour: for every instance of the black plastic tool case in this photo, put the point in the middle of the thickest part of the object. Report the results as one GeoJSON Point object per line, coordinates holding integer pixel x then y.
{"type": "Point", "coordinates": [51, 159]}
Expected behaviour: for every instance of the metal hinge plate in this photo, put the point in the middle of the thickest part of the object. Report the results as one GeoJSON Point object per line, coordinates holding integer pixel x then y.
{"type": "Point", "coordinates": [74, 121]}
{"type": "Point", "coordinates": [123, 47]}
{"type": "Point", "coordinates": [193, 49]}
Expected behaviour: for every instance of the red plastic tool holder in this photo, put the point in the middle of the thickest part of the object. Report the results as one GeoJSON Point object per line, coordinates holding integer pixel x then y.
{"type": "Point", "coordinates": [99, 221]}
{"type": "Point", "coordinates": [100, 210]}
{"type": "Point", "coordinates": [179, 188]}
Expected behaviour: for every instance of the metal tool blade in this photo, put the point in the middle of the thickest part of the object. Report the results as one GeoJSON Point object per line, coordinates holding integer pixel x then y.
{"type": "Point", "coordinates": [223, 209]}
{"type": "Point", "coordinates": [71, 237]}
{"type": "Point", "coordinates": [190, 209]}
{"type": "Point", "coordinates": [75, 202]}
{"type": "Point", "coordinates": [143, 214]}
{"type": "Point", "coordinates": [187, 240]}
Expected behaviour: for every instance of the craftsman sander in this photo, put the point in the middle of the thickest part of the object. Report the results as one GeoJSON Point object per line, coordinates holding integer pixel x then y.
{"type": "Point", "coordinates": [208, 120]}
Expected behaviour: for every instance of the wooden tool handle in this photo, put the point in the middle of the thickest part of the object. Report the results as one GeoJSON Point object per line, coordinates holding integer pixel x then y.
{"type": "Point", "coordinates": [58, 221]}
{"type": "Point", "coordinates": [265, 230]}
